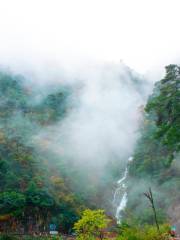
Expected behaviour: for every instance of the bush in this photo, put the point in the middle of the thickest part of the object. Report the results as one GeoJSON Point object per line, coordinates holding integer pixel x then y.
{"type": "Point", "coordinates": [144, 233]}
{"type": "Point", "coordinates": [91, 225]}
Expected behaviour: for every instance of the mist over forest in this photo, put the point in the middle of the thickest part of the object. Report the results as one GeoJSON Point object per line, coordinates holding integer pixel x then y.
{"type": "Point", "coordinates": [65, 144]}
{"type": "Point", "coordinates": [89, 120]}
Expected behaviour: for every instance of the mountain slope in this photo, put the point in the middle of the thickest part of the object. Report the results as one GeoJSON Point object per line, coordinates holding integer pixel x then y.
{"type": "Point", "coordinates": [156, 158]}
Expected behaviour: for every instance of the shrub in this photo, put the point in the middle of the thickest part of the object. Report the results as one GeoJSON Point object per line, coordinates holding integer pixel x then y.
{"type": "Point", "coordinates": [144, 233]}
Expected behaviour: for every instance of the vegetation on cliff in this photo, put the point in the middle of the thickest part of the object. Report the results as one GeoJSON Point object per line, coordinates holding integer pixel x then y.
{"type": "Point", "coordinates": [156, 160]}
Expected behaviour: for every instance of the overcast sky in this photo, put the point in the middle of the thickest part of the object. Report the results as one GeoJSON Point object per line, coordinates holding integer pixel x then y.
{"type": "Point", "coordinates": [145, 34]}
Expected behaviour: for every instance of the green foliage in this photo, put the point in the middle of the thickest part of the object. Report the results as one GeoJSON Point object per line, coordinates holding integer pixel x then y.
{"type": "Point", "coordinates": [53, 107]}
{"type": "Point", "coordinates": [166, 107]}
{"type": "Point", "coordinates": [38, 186]}
{"type": "Point", "coordinates": [11, 201]}
{"type": "Point", "coordinates": [37, 197]}
{"type": "Point", "coordinates": [91, 224]}
{"type": "Point", "coordinates": [160, 135]}
{"type": "Point", "coordinates": [143, 233]}
{"type": "Point", "coordinates": [33, 188]}
{"type": "Point", "coordinates": [156, 156]}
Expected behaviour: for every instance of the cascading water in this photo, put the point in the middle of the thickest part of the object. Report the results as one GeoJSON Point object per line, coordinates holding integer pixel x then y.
{"type": "Point", "coordinates": [120, 195]}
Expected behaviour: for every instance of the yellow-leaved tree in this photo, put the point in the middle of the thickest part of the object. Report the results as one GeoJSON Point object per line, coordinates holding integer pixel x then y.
{"type": "Point", "coordinates": [91, 225]}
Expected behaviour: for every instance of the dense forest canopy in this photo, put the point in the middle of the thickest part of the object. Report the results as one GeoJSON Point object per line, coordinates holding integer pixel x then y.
{"type": "Point", "coordinates": [33, 190]}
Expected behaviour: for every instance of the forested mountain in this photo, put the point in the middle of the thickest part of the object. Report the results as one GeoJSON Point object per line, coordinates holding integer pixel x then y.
{"type": "Point", "coordinates": [40, 185]}
{"type": "Point", "coordinates": [156, 161]}
{"type": "Point", "coordinates": [33, 191]}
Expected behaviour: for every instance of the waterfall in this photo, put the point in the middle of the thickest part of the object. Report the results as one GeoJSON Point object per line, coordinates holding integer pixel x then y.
{"type": "Point", "coordinates": [120, 195]}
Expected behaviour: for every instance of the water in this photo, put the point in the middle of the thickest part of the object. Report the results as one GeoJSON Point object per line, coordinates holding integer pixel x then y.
{"type": "Point", "coordinates": [120, 195]}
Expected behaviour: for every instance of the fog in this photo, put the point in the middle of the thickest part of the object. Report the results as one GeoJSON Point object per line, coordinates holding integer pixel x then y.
{"type": "Point", "coordinates": [108, 54]}
{"type": "Point", "coordinates": [142, 33]}
{"type": "Point", "coordinates": [102, 122]}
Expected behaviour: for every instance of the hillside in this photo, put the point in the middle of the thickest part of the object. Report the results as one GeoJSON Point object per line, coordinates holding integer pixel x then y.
{"type": "Point", "coordinates": [156, 161]}
{"type": "Point", "coordinates": [44, 177]}
{"type": "Point", "coordinates": [33, 190]}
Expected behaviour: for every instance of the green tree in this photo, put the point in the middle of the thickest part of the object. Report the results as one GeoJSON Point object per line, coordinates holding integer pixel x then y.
{"type": "Point", "coordinates": [91, 224]}
{"type": "Point", "coordinates": [156, 155]}
{"type": "Point", "coordinates": [159, 142]}
{"type": "Point", "coordinates": [165, 105]}
{"type": "Point", "coordinates": [11, 202]}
